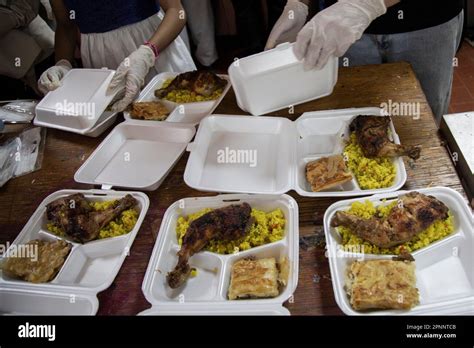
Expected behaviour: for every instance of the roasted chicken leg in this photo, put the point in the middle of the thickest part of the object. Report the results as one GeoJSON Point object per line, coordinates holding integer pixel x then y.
{"type": "Point", "coordinates": [372, 135]}
{"type": "Point", "coordinates": [79, 221]}
{"type": "Point", "coordinates": [203, 83]}
{"type": "Point", "coordinates": [229, 223]}
{"type": "Point", "coordinates": [415, 213]}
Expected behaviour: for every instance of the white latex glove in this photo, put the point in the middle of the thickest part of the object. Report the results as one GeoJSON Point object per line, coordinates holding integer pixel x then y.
{"type": "Point", "coordinates": [332, 31]}
{"type": "Point", "coordinates": [289, 24]}
{"type": "Point", "coordinates": [51, 78]}
{"type": "Point", "coordinates": [130, 77]}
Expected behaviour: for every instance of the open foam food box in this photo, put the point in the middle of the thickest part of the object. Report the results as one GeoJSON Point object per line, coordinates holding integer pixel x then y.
{"type": "Point", "coordinates": [280, 150]}
{"type": "Point", "coordinates": [206, 293]}
{"type": "Point", "coordinates": [79, 104]}
{"type": "Point", "coordinates": [136, 155]}
{"type": "Point", "coordinates": [88, 269]}
{"type": "Point", "coordinates": [275, 79]}
{"type": "Point", "coordinates": [444, 269]}
{"type": "Point", "coordinates": [191, 113]}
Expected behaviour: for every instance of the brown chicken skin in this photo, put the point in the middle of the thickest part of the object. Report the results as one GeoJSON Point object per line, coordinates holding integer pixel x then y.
{"type": "Point", "coordinates": [204, 83]}
{"type": "Point", "coordinates": [79, 221]}
{"type": "Point", "coordinates": [227, 224]}
{"type": "Point", "coordinates": [416, 213]}
{"type": "Point", "coordinates": [372, 136]}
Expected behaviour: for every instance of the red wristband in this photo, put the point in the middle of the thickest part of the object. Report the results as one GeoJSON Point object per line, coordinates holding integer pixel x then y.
{"type": "Point", "coordinates": [153, 47]}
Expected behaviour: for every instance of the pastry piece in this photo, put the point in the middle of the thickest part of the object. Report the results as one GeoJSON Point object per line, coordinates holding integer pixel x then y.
{"type": "Point", "coordinates": [327, 172]}
{"type": "Point", "coordinates": [151, 111]}
{"type": "Point", "coordinates": [37, 261]}
{"type": "Point", "coordinates": [254, 279]}
{"type": "Point", "coordinates": [382, 284]}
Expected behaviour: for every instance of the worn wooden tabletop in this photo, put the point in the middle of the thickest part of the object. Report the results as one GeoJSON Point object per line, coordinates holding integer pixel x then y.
{"type": "Point", "coordinates": [357, 87]}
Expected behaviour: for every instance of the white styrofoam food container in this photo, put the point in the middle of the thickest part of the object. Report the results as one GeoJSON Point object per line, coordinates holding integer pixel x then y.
{"type": "Point", "coordinates": [206, 294]}
{"type": "Point", "coordinates": [280, 150]}
{"type": "Point", "coordinates": [444, 269]}
{"type": "Point", "coordinates": [191, 113]}
{"type": "Point", "coordinates": [79, 104]}
{"type": "Point", "coordinates": [89, 269]}
{"type": "Point", "coordinates": [136, 155]}
{"type": "Point", "coordinates": [276, 79]}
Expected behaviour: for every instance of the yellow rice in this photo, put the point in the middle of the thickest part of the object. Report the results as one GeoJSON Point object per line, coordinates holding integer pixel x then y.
{"type": "Point", "coordinates": [371, 173]}
{"type": "Point", "coordinates": [267, 228]}
{"type": "Point", "coordinates": [183, 96]}
{"type": "Point", "coordinates": [436, 231]}
{"type": "Point", "coordinates": [118, 227]}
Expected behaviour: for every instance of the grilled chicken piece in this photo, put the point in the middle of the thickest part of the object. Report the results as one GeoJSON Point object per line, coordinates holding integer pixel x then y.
{"type": "Point", "coordinates": [416, 213]}
{"type": "Point", "coordinates": [372, 136]}
{"type": "Point", "coordinates": [79, 221]}
{"type": "Point", "coordinates": [204, 83]}
{"type": "Point", "coordinates": [228, 224]}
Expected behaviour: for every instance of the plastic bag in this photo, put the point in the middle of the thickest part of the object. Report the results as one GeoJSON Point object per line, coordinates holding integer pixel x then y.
{"type": "Point", "coordinates": [18, 111]}
{"type": "Point", "coordinates": [22, 155]}
{"type": "Point", "coordinates": [8, 160]}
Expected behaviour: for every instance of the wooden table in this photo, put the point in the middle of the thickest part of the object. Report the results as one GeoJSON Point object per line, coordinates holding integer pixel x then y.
{"type": "Point", "coordinates": [357, 87]}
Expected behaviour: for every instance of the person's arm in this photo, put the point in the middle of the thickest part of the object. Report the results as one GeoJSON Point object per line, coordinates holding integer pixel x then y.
{"type": "Point", "coordinates": [390, 3]}
{"type": "Point", "coordinates": [172, 24]}
{"type": "Point", "coordinates": [332, 31]}
{"type": "Point", "coordinates": [17, 14]}
{"type": "Point", "coordinates": [130, 75]}
{"type": "Point", "coordinates": [64, 46]}
{"type": "Point", "coordinates": [7, 22]}
{"type": "Point", "coordinates": [292, 19]}
{"type": "Point", "coordinates": [66, 32]}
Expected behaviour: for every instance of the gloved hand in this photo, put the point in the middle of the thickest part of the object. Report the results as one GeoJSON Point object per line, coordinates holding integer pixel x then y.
{"type": "Point", "coordinates": [333, 30]}
{"type": "Point", "coordinates": [130, 77]}
{"type": "Point", "coordinates": [289, 24]}
{"type": "Point", "coordinates": [51, 78]}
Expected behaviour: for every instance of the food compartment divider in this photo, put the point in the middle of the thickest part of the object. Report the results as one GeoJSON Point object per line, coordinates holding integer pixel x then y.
{"type": "Point", "coordinates": [444, 269]}
{"type": "Point", "coordinates": [276, 250]}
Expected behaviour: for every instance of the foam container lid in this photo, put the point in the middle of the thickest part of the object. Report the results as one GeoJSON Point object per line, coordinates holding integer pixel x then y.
{"type": "Point", "coordinates": [191, 113]}
{"type": "Point", "coordinates": [444, 269]}
{"type": "Point", "coordinates": [280, 150]}
{"type": "Point", "coordinates": [136, 155]}
{"type": "Point", "coordinates": [206, 294]}
{"type": "Point", "coordinates": [89, 268]}
{"type": "Point", "coordinates": [79, 104]}
{"type": "Point", "coordinates": [275, 79]}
